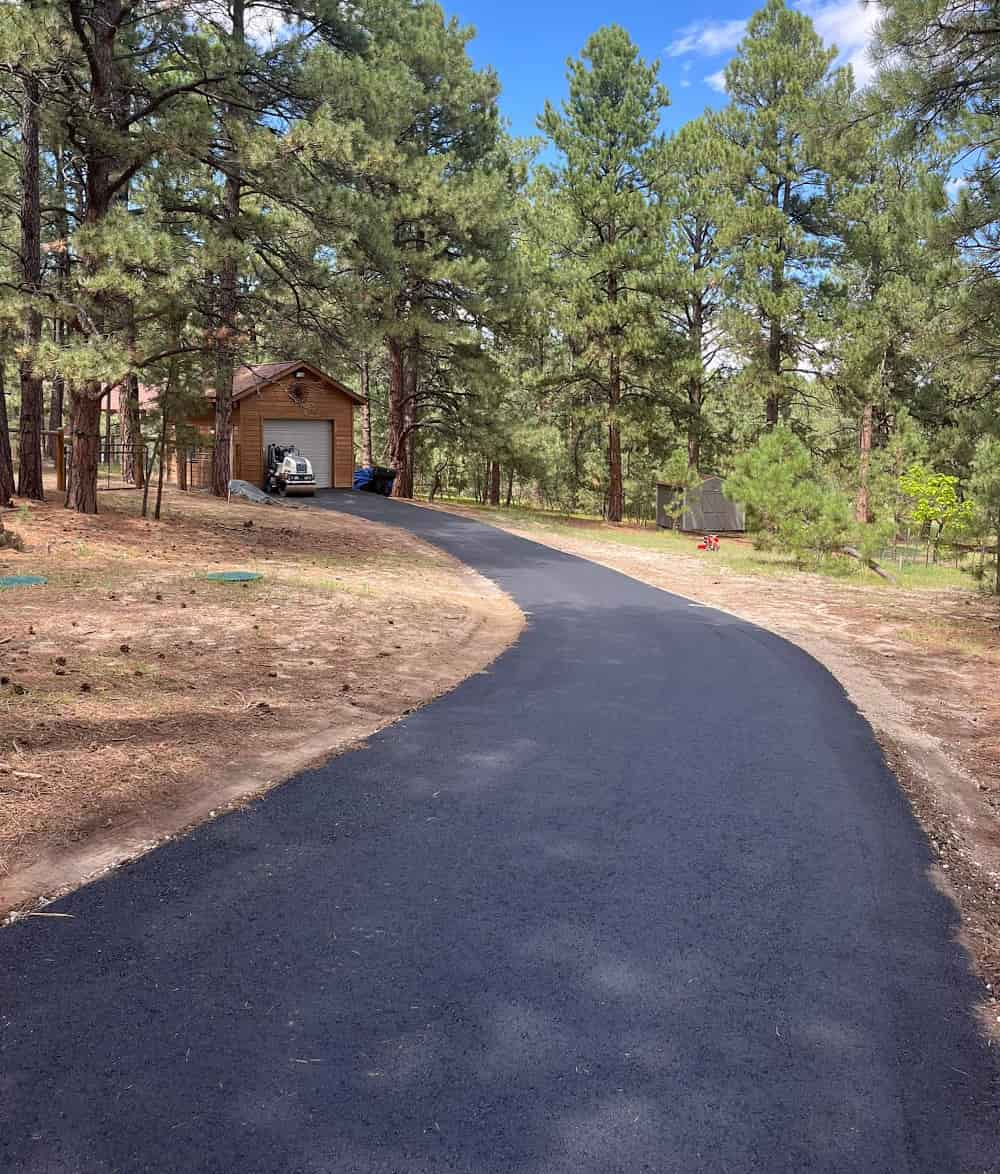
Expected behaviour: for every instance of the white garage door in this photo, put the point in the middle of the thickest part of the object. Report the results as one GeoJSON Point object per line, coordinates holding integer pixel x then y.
{"type": "Point", "coordinates": [313, 438]}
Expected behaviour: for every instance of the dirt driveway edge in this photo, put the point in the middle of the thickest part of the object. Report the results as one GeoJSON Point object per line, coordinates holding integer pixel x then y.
{"type": "Point", "coordinates": [491, 623]}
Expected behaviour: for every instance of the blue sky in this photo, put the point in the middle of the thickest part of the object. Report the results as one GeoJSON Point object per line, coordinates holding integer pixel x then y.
{"type": "Point", "coordinates": [528, 44]}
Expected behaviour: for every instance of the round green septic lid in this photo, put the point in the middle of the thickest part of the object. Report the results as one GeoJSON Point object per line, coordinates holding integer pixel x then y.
{"type": "Point", "coordinates": [233, 576]}
{"type": "Point", "coordinates": [22, 581]}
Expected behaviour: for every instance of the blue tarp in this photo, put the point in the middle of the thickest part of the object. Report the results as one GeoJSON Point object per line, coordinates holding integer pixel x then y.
{"type": "Point", "coordinates": [374, 480]}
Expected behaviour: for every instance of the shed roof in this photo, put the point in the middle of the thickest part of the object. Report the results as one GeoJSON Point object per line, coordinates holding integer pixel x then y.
{"type": "Point", "coordinates": [252, 377]}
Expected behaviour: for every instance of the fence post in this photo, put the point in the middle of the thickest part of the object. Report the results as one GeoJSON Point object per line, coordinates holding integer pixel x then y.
{"type": "Point", "coordinates": [61, 460]}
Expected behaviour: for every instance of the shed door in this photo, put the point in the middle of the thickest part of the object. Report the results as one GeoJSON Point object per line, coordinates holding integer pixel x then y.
{"type": "Point", "coordinates": [313, 438]}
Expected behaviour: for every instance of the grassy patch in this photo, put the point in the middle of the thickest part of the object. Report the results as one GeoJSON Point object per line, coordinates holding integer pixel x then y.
{"type": "Point", "coordinates": [737, 554]}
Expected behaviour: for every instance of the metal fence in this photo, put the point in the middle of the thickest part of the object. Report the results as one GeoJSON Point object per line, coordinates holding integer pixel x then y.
{"type": "Point", "coordinates": [911, 550]}
{"type": "Point", "coordinates": [125, 465]}
{"type": "Point", "coordinates": [191, 468]}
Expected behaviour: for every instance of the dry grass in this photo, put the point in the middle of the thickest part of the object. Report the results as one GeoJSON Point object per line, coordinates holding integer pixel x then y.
{"type": "Point", "coordinates": [130, 681]}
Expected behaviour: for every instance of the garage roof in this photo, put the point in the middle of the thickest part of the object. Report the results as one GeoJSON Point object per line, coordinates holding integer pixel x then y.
{"type": "Point", "coordinates": [252, 377]}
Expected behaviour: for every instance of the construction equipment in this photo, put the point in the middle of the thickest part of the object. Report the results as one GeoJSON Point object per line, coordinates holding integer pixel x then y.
{"type": "Point", "coordinates": [287, 471]}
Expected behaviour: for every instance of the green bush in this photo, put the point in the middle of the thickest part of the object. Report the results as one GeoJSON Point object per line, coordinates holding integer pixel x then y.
{"type": "Point", "coordinates": [789, 506]}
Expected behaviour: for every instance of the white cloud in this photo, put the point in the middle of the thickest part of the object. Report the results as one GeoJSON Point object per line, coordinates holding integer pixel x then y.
{"type": "Point", "coordinates": [717, 80]}
{"type": "Point", "coordinates": [265, 23]}
{"type": "Point", "coordinates": [685, 83]}
{"type": "Point", "coordinates": [707, 38]}
{"type": "Point", "coordinates": [955, 186]}
{"type": "Point", "coordinates": [848, 24]}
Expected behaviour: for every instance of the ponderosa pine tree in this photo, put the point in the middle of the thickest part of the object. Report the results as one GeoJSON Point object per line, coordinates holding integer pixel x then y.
{"type": "Point", "coordinates": [431, 181]}
{"type": "Point", "coordinates": [134, 65]}
{"type": "Point", "coordinates": [603, 242]}
{"type": "Point", "coordinates": [883, 295]}
{"type": "Point", "coordinates": [941, 72]}
{"type": "Point", "coordinates": [784, 103]}
{"type": "Point", "coordinates": [696, 202]}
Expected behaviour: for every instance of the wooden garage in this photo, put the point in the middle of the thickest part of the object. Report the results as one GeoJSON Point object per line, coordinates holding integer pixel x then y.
{"type": "Point", "coordinates": [293, 403]}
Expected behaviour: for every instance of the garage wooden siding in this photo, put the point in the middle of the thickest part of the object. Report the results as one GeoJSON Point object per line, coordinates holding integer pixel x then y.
{"type": "Point", "coordinates": [313, 400]}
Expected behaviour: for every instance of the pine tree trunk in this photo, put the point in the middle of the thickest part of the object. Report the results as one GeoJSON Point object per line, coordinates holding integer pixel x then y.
{"type": "Point", "coordinates": [129, 420]}
{"type": "Point", "coordinates": [164, 431]}
{"type": "Point", "coordinates": [180, 460]}
{"type": "Point", "coordinates": [130, 429]}
{"type": "Point", "coordinates": [774, 341]}
{"type": "Point", "coordinates": [494, 483]}
{"type": "Point", "coordinates": [6, 460]}
{"type": "Point", "coordinates": [616, 490]}
{"type": "Point", "coordinates": [510, 484]}
{"type": "Point", "coordinates": [106, 101]}
{"type": "Point", "coordinates": [403, 373]}
{"type": "Point", "coordinates": [366, 413]}
{"type": "Point", "coordinates": [228, 296]}
{"type": "Point", "coordinates": [29, 462]}
{"type": "Point", "coordinates": [862, 504]}
{"type": "Point", "coordinates": [694, 425]}
{"type": "Point", "coordinates": [694, 389]}
{"type": "Point", "coordinates": [57, 395]}
{"type": "Point", "coordinates": [396, 424]}
{"type": "Point", "coordinates": [85, 429]}
{"type": "Point", "coordinates": [108, 445]}
{"type": "Point", "coordinates": [411, 374]}
{"type": "Point", "coordinates": [57, 406]}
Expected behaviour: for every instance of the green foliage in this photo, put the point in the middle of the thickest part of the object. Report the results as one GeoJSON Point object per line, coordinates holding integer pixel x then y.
{"type": "Point", "coordinates": [984, 485]}
{"type": "Point", "coordinates": [596, 231]}
{"type": "Point", "coordinates": [783, 100]}
{"type": "Point", "coordinates": [935, 502]}
{"type": "Point", "coordinates": [789, 507]}
{"type": "Point", "coordinates": [637, 306]}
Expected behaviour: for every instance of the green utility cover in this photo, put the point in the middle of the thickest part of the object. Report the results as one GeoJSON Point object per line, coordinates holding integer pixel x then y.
{"type": "Point", "coordinates": [21, 581]}
{"type": "Point", "coordinates": [233, 576]}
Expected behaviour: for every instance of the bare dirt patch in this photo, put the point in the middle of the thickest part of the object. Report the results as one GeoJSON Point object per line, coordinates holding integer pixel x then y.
{"type": "Point", "coordinates": [923, 667]}
{"type": "Point", "coordinates": [138, 697]}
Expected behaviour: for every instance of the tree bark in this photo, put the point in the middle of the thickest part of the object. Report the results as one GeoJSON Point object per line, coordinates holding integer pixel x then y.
{"type": "Point", "coordinates": [510, 484]}
{"type": "Point", "coordinates": [29, 462]}
{"type": "Point", "coordinates": [493, 491]}
{"type": "Point", "coordinates": [403, 376]}
{"type": "Point", "coordinates": [228, 293]}
{"type": "Point", "coordinates": [85, 428]}
{"type": "Point", "coordinates": [164, 429]}
{"type": "Point", "coordinates": [366, 413]}
{"type": "Point", "coordinates": [130, 430]}
{"type": "Point", "coordinates": [103, 19]}
{"type": "Point", "coordinates": [396, 423]}
{"type": "Point", "coordinates": [775, 345]}
{"type": "Point", "coordinates": [57, 395]}
{"type": "Point", "coordinates": [57, 402]}
{"type": "Point", "coordinates": [129, 419]}
{"type": "Point", "coordinates": [862, 503]}
{"type": "Point", "coordinates": [616, 489]}
{"type": "Point", "coordinates": [6, 459]}
{"type": "Point", "coordinates": [180, 460]}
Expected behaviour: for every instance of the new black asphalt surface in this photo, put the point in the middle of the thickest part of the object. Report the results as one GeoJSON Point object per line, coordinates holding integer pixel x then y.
{"type": "Point", "coordinates": [643, 897]}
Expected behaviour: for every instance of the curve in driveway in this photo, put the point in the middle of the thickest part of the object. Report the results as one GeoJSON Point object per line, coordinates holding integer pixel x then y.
{"type": "Point", "coordinates": [643, 897]}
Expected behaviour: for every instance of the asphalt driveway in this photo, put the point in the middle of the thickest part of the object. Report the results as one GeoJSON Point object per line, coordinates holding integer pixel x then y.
{"type": "Point", "coordinates": [643, 897]}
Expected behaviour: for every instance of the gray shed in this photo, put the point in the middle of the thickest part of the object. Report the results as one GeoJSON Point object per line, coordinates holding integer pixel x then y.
{"type": "Point", "coordinates": [701, 509]}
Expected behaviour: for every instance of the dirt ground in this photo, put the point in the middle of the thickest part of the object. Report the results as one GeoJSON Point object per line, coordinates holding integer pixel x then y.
{"type": "Point", "coordinates": [137, 697]}
{"type": "Point", "coordinates": [922, 665]}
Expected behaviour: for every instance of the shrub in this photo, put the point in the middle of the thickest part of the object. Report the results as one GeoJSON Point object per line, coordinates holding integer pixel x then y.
{"type": "Point", "coordinates": [789, 507]}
